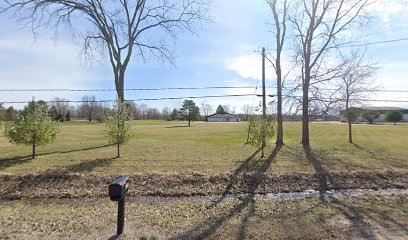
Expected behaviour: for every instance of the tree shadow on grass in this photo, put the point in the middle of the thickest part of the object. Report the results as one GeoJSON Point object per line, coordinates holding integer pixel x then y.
{"type": "Point", "coordinates": [75, 150]}
{"type": "Point", "coordinates": [382, 156]}
{"type": "Point", "coordinates": [52, 179]}
{"type": "Point", "coordinates": [13, 161]}
{"type": "Point", "coordinates": [209, 226]}
{"type": "Point", "coordinates": [373, 154]}
{"type": "Point", "coordinates": [88, 166]}
{"type": "Point", "coordinates": [177, 126]}
{"type": "Point", "coordinates": [357, 217]}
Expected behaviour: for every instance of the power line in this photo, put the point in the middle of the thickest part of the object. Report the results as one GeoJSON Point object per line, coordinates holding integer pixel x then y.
{"type": "Point", "coordinates": [178, 88]}
{"type": "Point", "coordinates": [354, 99]}
{"type": "Point", "coordinates": [363, 90]}
{"type": "Point", "coordinates": [209, 96]}
{"type": "Point", "coordinates": [126, 89]}
{"type": "Point", "coordinates": [376, 43]}
{"type": "Point", "coordinates": [142, 99]}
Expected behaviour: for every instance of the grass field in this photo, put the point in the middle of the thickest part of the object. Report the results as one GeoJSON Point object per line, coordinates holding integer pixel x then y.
{"type": "Point", "coordinates": [168, 147]}
{"type": "Point", "coordinates": [345, 218]}
{"type": "Point", "coordinates": [207, 159]}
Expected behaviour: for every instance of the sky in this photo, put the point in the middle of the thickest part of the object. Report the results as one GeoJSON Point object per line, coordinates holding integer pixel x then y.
{"type": "Point", "coordinates": [223, 53]}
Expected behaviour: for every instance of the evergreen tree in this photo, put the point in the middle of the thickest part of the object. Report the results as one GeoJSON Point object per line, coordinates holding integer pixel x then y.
{"type": "Point", "coordinates": [11, 114]}
{"type": "Point", "coordinates": [34, 127]}
{"type": "Point", "coordinates": [68, 116]}
{"type": "Point", "coordinates": [174, 114]}
{"type": "Point", "coordinates": [220, 110]}
{"type": "Point", "coordinates": [189, 111]}
{"type": "Point", "coordinates": [53, 113]}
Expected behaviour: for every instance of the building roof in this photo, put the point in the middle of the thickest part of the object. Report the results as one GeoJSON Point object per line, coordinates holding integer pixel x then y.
{"type": "Point", "coordinates": [385, 108]}
{"type": "Point", "coordinates": [226, 115]}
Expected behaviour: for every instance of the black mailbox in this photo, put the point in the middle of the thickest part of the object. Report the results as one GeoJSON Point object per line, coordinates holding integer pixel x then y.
{"type": "Point", "coordinates": [118, 188]}
{"type": "Point", "coordinates": [117, 192]}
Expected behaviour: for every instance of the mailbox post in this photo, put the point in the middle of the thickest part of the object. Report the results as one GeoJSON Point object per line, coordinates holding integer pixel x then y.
{"type": "Point", "coordinates": [117, 192]}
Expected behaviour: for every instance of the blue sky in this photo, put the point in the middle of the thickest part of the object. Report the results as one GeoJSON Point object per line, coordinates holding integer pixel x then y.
{"type": "Point", "coordinates": [221, 55]}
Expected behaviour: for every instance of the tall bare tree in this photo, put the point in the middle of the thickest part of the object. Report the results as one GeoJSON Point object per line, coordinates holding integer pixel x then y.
{"type": "Point", "coordinates": [280, 12]}
{"type": "Point", "coordinates": [321, 28]}
{"type": "Point", "coordinates": [61, 107]}
{"type": "Point", "coordinates": [89, 107]}
{"type": "Point", "coordinates": [207, 109]}
{"type": "Point", "coordinates": [248, 110]}
{"type": "Point", "coordinates": [125, 28]}
{"type": "Point", "coordinates": [356, 82]}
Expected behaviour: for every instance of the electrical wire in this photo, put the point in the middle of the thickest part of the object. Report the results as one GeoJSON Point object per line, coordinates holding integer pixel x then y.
{"type": "Point", "coordinates": [111, 89]}
{"type": "Point", "coordinates": [140, 99]}
{"type": "Point", "coordinates": [180, 88]}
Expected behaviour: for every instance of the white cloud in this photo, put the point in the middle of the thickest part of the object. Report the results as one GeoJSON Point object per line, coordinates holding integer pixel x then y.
{"type": "Point", "coordinates": [250, 66]}
{"type": "Point", "coordinates": [388, 9]}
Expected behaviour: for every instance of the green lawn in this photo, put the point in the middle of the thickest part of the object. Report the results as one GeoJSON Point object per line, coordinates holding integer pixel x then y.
{"type": "Point", "coordinates": [163, 147]}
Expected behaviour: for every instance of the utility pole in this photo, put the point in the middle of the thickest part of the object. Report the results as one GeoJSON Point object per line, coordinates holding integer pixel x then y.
{"type": "Point", "coordinates": [263, 85]}
{"type": "Point", "coordinates": [263, 100]}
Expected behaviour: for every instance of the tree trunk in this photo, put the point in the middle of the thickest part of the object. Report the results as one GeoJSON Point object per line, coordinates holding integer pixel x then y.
{"type": "Point", "coordinates": [350, 132]}
{"type": "Point", "coordinates": [33, 153]}
{"type": "Point", "coordinates": [120, 83]}
{"type": "Point", "coordinates": [189, 117]}
{"type": "Point", "coordinates": [118, 148]}
{"type": "Point", "coordinates": [279, 139]}
{"type": "Point", "coordinates": [305, 116]}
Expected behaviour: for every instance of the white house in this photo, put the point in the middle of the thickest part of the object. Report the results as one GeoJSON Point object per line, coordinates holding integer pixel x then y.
{"type": "Point", "coordinates": [223, 118]}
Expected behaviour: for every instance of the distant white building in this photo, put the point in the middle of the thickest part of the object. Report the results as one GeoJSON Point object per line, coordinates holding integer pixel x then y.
{"type": "Point", "coordinates": [223, 118]}
{"type": "Point", "coordinates": [382, 111]}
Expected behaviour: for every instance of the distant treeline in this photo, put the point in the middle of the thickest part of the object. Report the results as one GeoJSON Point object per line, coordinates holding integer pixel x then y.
{"type": "Point", "coordinates": [93, 110]}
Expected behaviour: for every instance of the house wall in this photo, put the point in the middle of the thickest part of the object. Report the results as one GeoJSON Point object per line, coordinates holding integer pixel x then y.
{"type": "Point", "coordinates": [210, 119]}
{"type": "Point", "coordinates": [381, 118]}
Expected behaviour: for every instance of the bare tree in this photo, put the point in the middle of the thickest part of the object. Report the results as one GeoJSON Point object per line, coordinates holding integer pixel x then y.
{"type": "Point", "coordinates": [134, 110]}
{"type": "Point", "coordinates": [279, 10]}
{"type": "Point", "coordinates": [61, 107]}
{"type": "Point", "coordinates": [166, 112]}
{"type": "Point", "coordinates": [232, 109]}
{"type": "Point", "coordinates": [356, 82]}
{"type": "Point", "coordinates": [248, 110]}
{"type": "Point", "coordinates": [124, 27]}
{"type": "Point", "coordinates": [144, 111]}
{"type": "Point", "coordinates": [320, 31]}
{"type": "Point", "coordinates": [89, 107]}
{"type": "Point", "coordinates": [227, 108]}
{"type": "Point", "coordinates": [207, 109]}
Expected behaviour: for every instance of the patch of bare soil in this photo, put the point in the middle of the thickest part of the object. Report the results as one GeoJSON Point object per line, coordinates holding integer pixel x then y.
{"type": "Point", "coordinates": [63, 185]}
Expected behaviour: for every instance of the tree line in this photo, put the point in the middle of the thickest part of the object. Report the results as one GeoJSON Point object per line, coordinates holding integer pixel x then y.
{"type": "Point", "coordinates": [38, 123]}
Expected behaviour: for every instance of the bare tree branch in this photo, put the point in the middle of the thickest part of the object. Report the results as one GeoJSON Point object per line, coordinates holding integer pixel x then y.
{"type": "Point", "coordinates": [144, 25]}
